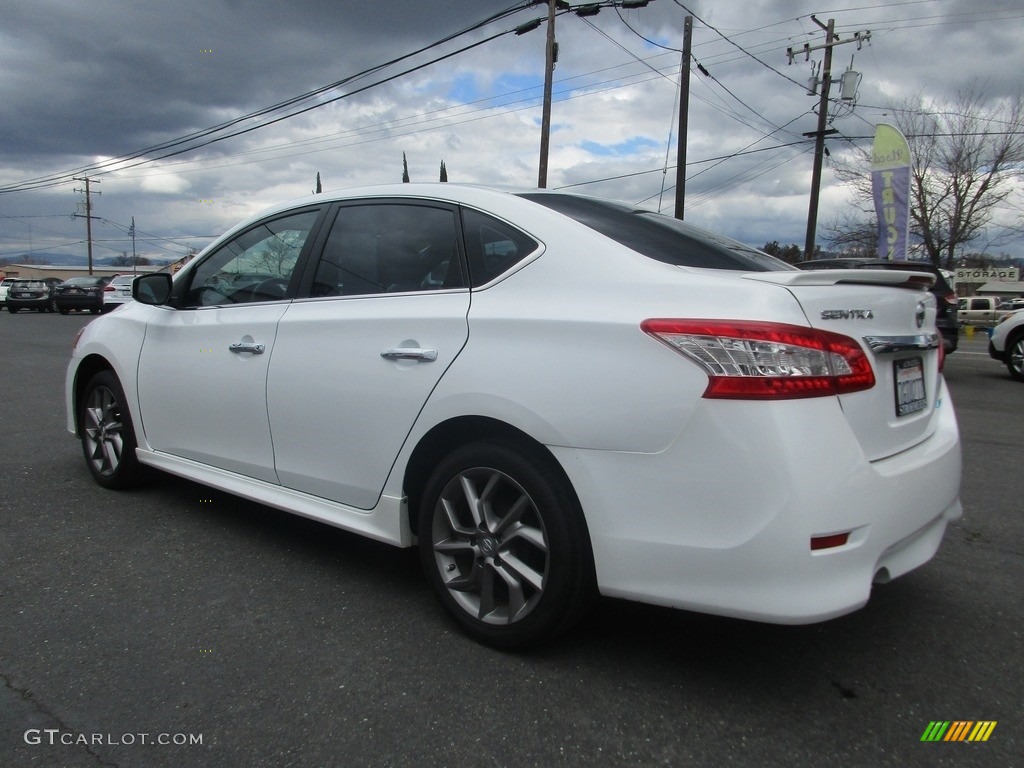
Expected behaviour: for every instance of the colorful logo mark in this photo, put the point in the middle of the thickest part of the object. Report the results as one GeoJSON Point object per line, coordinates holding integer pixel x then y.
{"type": "Point", "coordinates": [958, 730]}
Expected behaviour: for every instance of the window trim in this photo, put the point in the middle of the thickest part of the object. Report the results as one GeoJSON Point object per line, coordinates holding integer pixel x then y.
{"type": "Point", "coordinates": [312, 263]}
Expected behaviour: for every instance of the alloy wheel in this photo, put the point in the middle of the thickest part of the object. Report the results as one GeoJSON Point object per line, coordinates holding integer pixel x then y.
{"type": "Point", "coordinates": [490, 546]}
{"type": "Point", "coordinates": [1015, 358]}
{"type": "Point", "coordinates": [103, 434]}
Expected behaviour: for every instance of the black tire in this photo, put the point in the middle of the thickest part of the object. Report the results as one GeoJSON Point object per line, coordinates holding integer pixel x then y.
{"type": "Point", "coordinates": [107, 434]}
{"type": "Point", "coordinates": [12, 310]}
{"type": "Point", "coordinates": [63, 310]}
{"type": "Point", "coordinates": [505, 545]}
{"type": "Point", "coordinates": [1015, 356]}
{"type": "Point", "coordinates": [94, 311]}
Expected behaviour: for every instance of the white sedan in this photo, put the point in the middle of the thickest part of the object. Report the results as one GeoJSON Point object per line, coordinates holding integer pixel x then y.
{"type": "Point", "coordinates": [552, 396]}
{"type": "Point", "coordinates": [118, 291]}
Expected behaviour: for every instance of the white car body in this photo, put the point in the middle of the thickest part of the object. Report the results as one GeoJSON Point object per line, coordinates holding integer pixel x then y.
{"type": "Point", "coordinates": [1006, 344]}
{"type": "Point", "coordinates": [5, 285]}
{"type": "Point", "coordinates": [118, 291]}
{"type": "Point", "coordinates": [697, 503]}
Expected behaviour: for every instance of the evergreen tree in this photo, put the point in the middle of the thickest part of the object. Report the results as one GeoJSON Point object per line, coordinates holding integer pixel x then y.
{"type": "Point", "coordinates": [319, 187]}
{"type": "Point", "coordinates": [444, 172]}
{"type": "Point", "coordinates": [405, 170]}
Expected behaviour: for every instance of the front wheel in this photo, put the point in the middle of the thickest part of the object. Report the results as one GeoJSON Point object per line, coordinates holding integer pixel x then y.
{"type": "Point", "coordinates": [1015, 357]}
{"type": "Point", "coordinates": [108, 437]}
{"type": "Point", "coordinates": [504, 544]}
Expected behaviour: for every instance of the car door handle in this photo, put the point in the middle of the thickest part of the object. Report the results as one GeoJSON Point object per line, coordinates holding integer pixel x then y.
{"type": "Point", "coordinates": [410, 353]}
{"type": "Point", "coordinates": [248, 346]}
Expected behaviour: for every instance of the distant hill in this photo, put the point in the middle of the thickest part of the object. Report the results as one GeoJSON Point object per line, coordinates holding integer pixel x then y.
{"type": "Point", "coordinates": [67, 260]}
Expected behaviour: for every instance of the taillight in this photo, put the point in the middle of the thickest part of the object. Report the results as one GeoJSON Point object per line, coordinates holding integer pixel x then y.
{"type": "Point", "coordinates": [109, 289]}
{"type": "Point", "coordinates": [752, 360]}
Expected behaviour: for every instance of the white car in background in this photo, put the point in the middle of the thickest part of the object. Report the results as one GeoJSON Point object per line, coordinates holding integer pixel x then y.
{"type": "Point", "coordinates": [1007, 343]}
{"type": "Point", "coordinates": [5, 285]}
{"type": "Point", "coordinates": [118, 291]}
{"type": "Point", "coordinates": [552, 396]}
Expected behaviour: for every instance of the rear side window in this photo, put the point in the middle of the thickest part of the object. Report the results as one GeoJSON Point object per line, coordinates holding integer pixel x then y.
{"type": "Point", "coordinates": [386, 247]}
{"type": "Point", "coordinates": [660, 237]}
{"type": "Point", "coordinates": [492, 246]}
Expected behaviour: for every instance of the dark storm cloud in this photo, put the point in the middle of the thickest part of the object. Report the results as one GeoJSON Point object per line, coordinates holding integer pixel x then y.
{"type": "Point", "coordinates": [104, 78]}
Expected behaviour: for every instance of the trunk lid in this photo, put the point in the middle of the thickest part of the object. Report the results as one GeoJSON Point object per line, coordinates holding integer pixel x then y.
{"type": "Point", "coordinates": [891, 315]}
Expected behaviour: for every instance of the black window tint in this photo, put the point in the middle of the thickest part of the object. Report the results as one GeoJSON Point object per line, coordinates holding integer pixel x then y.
{"type": "Point", "coordinates": [492, 246]}
{"type": "Point", "coordinates": [660, 237]}
{"type": "Point", "coordinates": [389, 248]}
{"type": "Point", "coordinates": [255, 266]}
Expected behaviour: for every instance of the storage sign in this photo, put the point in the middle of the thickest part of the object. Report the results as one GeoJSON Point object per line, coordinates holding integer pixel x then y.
{"type": "Point", "coordinates": [987, 275]}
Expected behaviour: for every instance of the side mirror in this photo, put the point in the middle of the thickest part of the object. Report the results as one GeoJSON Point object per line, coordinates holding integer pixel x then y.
{"type": "Point", "coordinates": [154, 288]}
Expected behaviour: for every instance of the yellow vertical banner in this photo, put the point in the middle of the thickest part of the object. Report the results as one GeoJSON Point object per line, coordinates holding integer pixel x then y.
{"type": "Point", "coordinates": [890, 182]}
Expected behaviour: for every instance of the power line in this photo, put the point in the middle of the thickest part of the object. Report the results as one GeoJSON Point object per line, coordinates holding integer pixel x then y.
{"type": "Point", "coordinates": [56, 179]}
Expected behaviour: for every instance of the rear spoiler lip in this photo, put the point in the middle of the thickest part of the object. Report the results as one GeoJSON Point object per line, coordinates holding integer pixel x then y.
{"type": "Point", "coordinates": [920, 281]}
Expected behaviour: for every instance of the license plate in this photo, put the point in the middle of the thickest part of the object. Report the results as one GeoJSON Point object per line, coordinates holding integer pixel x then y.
{"type": "Point", "coordinates": [909, 379]}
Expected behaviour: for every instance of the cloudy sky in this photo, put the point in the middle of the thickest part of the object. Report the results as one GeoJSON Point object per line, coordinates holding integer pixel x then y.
{"type": "Point", "coordinates": [88, 88]}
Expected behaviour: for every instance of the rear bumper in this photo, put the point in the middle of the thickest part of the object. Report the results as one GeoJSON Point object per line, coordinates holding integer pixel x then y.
{"type": "Point", "coordinates": [79, 302]}
{"type": "Point", "coordinates": [725, 528]}
{"type": "Point", "coordinates": [40, 303]}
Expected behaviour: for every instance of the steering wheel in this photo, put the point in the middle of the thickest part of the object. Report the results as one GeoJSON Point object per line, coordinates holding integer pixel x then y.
{"type": "Point", "coordinates": [269, 289]}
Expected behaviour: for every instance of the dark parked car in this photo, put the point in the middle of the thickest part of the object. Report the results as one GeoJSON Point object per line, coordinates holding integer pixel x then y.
{"type": "Point", "coordinates": [945, 296]}
{"type": "Point", "coordinates": [81, 293]}
{"type": "Point", "coordinates": [35, 293]}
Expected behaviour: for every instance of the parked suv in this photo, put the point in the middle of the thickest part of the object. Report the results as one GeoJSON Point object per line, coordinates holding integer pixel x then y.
{"type": "Point", "coordinates": [35, 293]}
{"type": "Point", "coordinates": [945, 296]}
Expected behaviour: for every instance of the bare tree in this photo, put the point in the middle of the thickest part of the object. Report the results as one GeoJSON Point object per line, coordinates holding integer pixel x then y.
{"type": "Point", "coordinates": [965, 158]}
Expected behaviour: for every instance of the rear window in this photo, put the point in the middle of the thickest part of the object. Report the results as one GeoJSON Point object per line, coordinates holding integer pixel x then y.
{"type": "Point", "coordinates": [660, 237]}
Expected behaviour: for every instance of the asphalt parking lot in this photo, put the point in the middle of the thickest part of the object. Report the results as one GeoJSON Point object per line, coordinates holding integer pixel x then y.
{"type": "Point", "coordinates": [178, 626]}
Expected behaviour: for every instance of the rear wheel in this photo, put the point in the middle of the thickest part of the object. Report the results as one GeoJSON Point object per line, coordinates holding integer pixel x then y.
{"type": "Point", "coordinates": [12, 310]}
{"type": "Point", "coordinates": [504, 544]}
{"type": "Point", "coordinates": [1015, 356]}
{"type": "Point", "coordinates": [108, 438]}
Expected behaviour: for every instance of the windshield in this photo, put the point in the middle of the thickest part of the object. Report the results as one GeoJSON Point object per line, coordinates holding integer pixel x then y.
{"type": "Point", "coordinates": [660, 237]}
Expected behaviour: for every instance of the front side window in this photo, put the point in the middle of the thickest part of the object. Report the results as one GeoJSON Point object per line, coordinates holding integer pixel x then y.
{"type": "Point", "coordinates": [389, 248]}
{"type": "Point", "coordinates": [254, 266]}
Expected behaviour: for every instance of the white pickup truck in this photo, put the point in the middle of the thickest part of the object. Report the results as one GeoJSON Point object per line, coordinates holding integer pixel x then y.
{"type": "Point", "coordinates": [980, 310]}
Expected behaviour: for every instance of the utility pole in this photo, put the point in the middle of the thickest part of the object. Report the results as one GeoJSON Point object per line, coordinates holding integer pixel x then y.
{"type": "Point", "coordinates": [831, 41]}
{"type": "Point", "coordinates": [135, 261]}
{"type": "Point", "coordinates": [684, 114]}
{"type": "Point", "coordinates": [545, 121]}
{"type": "Point", "coordinates": [819, 141]}
{"type": "Point", "coordinates": [88, 213]}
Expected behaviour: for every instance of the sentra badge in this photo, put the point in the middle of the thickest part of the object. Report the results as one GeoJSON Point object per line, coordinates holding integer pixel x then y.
{"type": "Point", "coordinates": [847, 314]}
